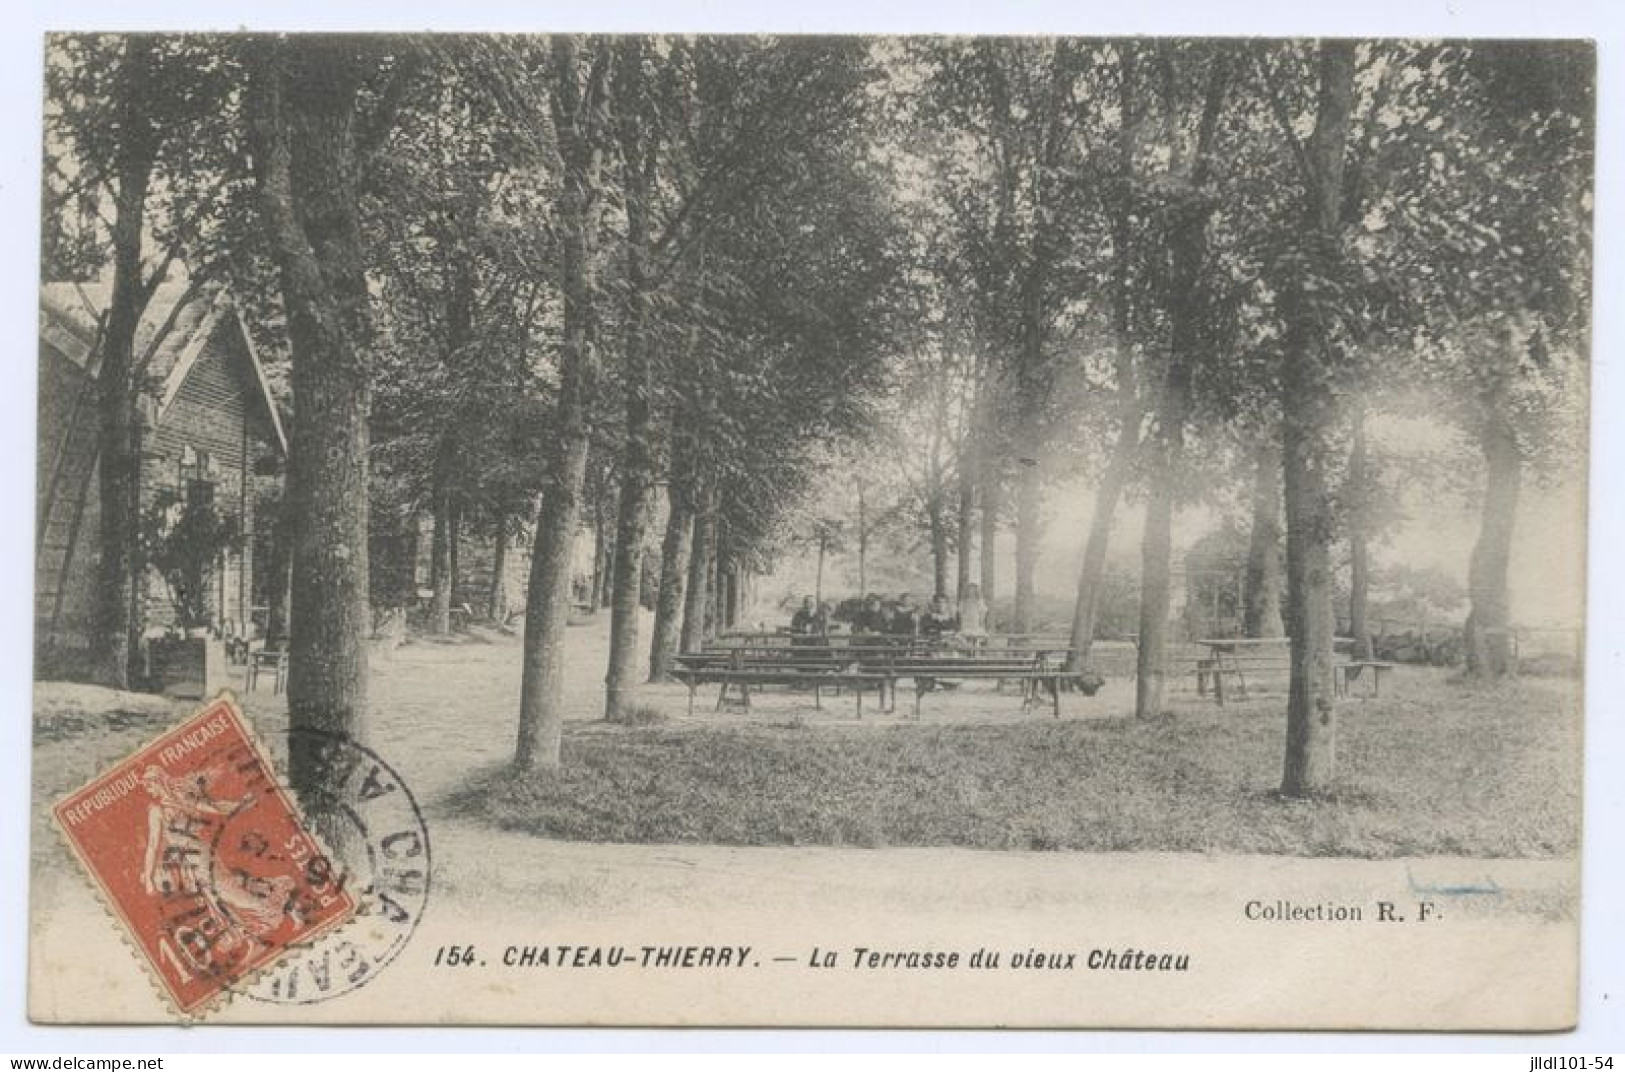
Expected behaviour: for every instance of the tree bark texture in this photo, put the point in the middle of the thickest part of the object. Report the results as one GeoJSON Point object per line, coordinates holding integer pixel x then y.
{"type": "Point", "coordinates": [1092, 573]}
{"type": "Point", "coordinates": [1358, 518]}
{"type": "Point", "coordinates": [1156, 543]}
{"type": "Point", "coordinates": [303, 106]}
{"type": "Point", "coordinates": [116, 629]}
{"type": "Point", "coordinates": [939, 547]}
{"type": "Point", "coordinates": [674, 552]}
{"type": "Point", "coordinates": [440, 571]}
{"type": "Point", "coordinates": [711, 623]}
{"type": "Point", "coordinates": [992, 503]}
{"type": "Point", "coordinates": [1261, 585]}
{"type": "Point", "coordinates": [863, 542]}
{"type": "Point", "coordinates": [964, 521]}
{"type": "Point", "coordinates": [699, 572]}
{"type": "Point", "coordinates": [1307, 418]}
{"type": "Point", "coordinates": [497, 607]}
{"type": "Point", "coordinates": [575, 107]}
{"type": "Point", "coordinates": [1187, 241]}
{"type": "Point", "coordinates": [818, 576]}
{"type": "Point", "coordinates": [1029, 533]}
{"type": "Point", "coordinates": [637, 452]}
{"type": "Point", "coordinates": [1092, 578]}
{"type": "Point", "coordinates": [1489, 618]}
{"type": "Point", "coordinates": [603, 556]}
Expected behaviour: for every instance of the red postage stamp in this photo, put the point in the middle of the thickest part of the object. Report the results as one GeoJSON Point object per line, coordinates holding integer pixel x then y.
{"type": "Point", "coordinates": [201, 853]}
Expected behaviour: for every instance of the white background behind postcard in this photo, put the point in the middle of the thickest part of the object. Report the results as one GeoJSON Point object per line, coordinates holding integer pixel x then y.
{"type": "Point", "coordinates": [1603, 981]}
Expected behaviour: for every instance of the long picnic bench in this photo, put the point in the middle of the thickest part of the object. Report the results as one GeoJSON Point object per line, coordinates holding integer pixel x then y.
{"type": "Point", "coordinates": [746, 677]}
{"type": "Point", "coordinates": [868, 667]}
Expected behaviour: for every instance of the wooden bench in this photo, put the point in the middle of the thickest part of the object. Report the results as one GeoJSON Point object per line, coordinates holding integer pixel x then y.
{"type": "Point", "coordinates": [1344, 674]}
{"type": "Point", "coordinates": [877, 667]}
{"type": "Point", "coordinates": [799, 677]}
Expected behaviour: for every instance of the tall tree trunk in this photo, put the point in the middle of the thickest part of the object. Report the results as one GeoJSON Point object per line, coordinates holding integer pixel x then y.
{"type": "Point", "coordinates": [1489, 620]}
{"type": "Point", "coordinates": [1092, 574]}
{"type": "Point", "coordinates": [1358, 518]}
{"type": "Point", "coordinates": [863, 542]}
{"type": "Point", "coordinates": [459, 324]}
{"type": "Point", "coordinates": [637, 454]}
{"type": "Point", "coordinates": [575, 113]}
{"type": "Point", "coordinates": [674, 552]}
{"type": "Point", "coordinates": [497, 607]}
{"type": "Point", "coordinates": [303, 105]}
{"type": "Point", "coordinates": [1029, 531]}
{"type": "Point", "coordinates": [115, 635]}
{"type": "Point", "coordinates": [1091, 580]}
{"type": "Point", "coordinates": [938, 487]}
{"type": "Point", "coordinates": [939, 544]}
{"type": "Point", "coordinates": [626, 599]}
{"type": "Point", "coordinates": [454, 543]}
{"type": "Point", "coordinates": [964, 520]}
{"type": "Point", "coordinates": [992, 503]}
{"type": "Point", "coordinates": [440, 571]}
{"type": "Point", "coordinates": [1311, 714]}
{"type": "Point", "coordinates": [699, 571]}
{"type": "Point", "coordinates": [1156, 544]}
{"type": "Point", "coordinates": [1032, 377]}
{"type": "Point", "coordinates": [1187, 242]}
{"type": "Point", "coordinates": [711, 624]}
{"type": "Point", "coordinates": [626, 595]}
{"type": "Point", "coordinates": [279, 572]}
{"type": "Point", "coordinates": [606, 578]}
{"type": "Point", "coordinates": [1307, 415]}
{"type": "Point", "coordinates": [1261, 584]}
{"type": "Point", "coordinates": [818, 582]}
{"type": "Point", "coordinates": [603, 556]}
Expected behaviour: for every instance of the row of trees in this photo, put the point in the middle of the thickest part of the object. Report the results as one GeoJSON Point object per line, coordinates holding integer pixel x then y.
{"type": "Point", "coordinates": [494, 265]}
{"type": "Point", "coordinates": [1184, 267]}
{"type": "Point", "coordinates": [512, 276]}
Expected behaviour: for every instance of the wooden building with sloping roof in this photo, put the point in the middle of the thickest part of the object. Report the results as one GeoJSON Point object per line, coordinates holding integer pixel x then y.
{"type": "Point", "coordinates": [209, 428]}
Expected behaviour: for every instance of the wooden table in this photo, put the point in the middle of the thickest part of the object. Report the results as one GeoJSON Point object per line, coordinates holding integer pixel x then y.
{"type": "Point", "coordinates": [1234, 656]}
{"type": "Point", "coordinates": [1343, 674]}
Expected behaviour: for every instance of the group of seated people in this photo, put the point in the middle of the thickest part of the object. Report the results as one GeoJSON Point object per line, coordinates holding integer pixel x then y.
{"type": "Point", "coordinates": [876, 616]}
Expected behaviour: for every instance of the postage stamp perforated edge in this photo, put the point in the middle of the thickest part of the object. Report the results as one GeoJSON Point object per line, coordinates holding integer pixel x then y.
{"type": "Point", "coordinates": [123, 927]}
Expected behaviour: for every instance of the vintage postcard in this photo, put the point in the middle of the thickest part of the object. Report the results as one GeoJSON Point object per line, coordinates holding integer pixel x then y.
{"type": "Point", "coordinates": [811, 531]}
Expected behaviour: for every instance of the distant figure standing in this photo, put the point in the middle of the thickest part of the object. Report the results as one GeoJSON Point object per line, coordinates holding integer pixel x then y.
{"type": "Point", "coordinates": [905, 620]}
{"type": "Point", "coordinates": [973, 613]}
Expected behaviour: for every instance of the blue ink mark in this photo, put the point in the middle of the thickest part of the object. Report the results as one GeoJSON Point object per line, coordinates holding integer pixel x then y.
{"type": "Point", "coordinates": [1486, 887]}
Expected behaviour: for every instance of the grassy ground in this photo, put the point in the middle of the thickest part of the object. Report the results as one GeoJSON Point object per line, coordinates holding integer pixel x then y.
{"type": "Point", "coordinates": [1433, 768]}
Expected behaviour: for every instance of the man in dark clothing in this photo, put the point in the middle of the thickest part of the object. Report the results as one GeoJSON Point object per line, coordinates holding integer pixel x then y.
{"type": "Point", "coordinates": [939, 620]}
{"type": "Point", "coordinates": [804, 622]}
{"type": "Point", "coordinates": [871, 619]}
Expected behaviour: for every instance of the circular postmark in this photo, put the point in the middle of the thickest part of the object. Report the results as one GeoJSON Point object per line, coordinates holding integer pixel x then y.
{"type": "Point", "coordinates": [367, 817]}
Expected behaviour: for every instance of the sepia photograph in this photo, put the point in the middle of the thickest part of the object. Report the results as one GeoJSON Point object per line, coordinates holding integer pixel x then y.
{"type": "Point", "coordinates": [754, 530]}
